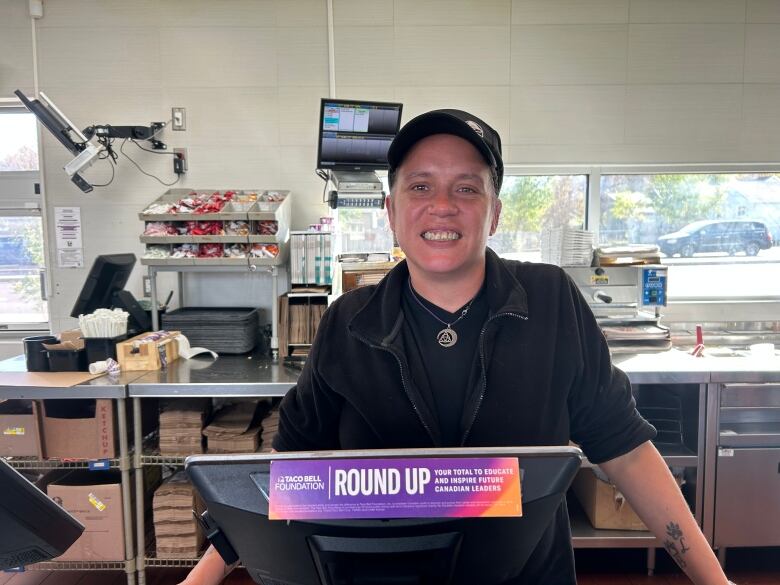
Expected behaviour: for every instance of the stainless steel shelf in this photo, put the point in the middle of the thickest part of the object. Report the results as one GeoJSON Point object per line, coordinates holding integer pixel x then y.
{"type": "Point", "coordinates": [583, 535]}
{"type": "Point", "coordinates": [677, 455]}
{"type": "Point", "coordinates": [155, 562]}
{"type": "Point", "coordinates": [156, 459]}
{"type": "Point", "coordinates": [78, 566]}
{"type": "Point", "coordinates": [35, 463]}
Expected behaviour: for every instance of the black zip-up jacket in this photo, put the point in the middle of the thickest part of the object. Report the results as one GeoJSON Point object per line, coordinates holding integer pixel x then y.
{"type": "Point", "coordinates": [546, 378]}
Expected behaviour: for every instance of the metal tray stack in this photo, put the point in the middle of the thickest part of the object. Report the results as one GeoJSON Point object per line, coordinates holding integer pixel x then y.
{"type": "Point", "coordinates": [224, 330]}
{"type": "Point", "coordinates": [250, 206]}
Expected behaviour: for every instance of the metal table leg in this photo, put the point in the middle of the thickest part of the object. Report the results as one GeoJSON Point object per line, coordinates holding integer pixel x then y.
{"type": "Point", "coordinates": [180, 281]}
{"type": "Point", "coordinates": [153, 298]}
{"type": "Point", "coordinates": [139, 488]}
{"type": "Point", "coordinates": [650, 561]}
{"type": "Point", "coordinates": [124, 466]}
{"type": "Point", "coordinates": [274, 311]}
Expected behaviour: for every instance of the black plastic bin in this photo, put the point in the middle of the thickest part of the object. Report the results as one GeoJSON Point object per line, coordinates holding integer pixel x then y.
{"type": "Point", "coordinates": [224, 330]}
{"type": "Point", "coordinates": [35, 353]}
{"type": "Point", "coordinates": [101, 348]}
{"type": "Point", "coordinates": [67, 360]}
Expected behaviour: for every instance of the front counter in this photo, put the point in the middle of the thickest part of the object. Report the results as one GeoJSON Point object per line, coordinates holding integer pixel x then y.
{"type": "Point", "coordinates": [678, 367]}
{"type": "Point", "coordinates": [705, 427]}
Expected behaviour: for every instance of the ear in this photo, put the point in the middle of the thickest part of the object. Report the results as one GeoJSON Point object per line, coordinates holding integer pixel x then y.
{"type": "Point", "coordinates": [390, 211]}
{"type": "Point", "coordinates": [496, 215]}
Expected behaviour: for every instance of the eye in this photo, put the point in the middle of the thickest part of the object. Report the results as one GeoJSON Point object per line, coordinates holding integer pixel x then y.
{"type": "Point", "coordinates": [418, 187]}
{"type": "Point", "coordinates": [468, 190]}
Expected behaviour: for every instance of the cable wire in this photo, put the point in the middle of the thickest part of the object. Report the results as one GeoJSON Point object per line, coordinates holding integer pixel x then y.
{"type": "Point", "coordinates": [134, 141]}
{"type": "Point", "coordinates": [127, 156]}
{"type": "Point", "coordinates": [113, 172]}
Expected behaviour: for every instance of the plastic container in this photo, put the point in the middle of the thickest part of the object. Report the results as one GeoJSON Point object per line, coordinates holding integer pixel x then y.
{"type": "Point", "coordinates": [101, 348]}
{"type": "Point", "coordinates": [762, 350]}
{"type": "Point", "coordinates": [35, 354]}
{"type": "Point", "coordinates": [67, 360]}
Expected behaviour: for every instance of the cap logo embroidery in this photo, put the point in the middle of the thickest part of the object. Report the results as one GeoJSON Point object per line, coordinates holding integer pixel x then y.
{"type": "Point", "coordinates": [476, 128]}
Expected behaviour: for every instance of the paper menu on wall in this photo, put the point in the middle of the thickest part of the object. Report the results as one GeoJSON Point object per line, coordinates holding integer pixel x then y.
{"type": "Point", "coordinates": [67, 227]}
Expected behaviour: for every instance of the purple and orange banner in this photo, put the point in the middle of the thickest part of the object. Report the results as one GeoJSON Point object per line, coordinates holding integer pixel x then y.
{"type": "Point", "coordinates": [336, 489]}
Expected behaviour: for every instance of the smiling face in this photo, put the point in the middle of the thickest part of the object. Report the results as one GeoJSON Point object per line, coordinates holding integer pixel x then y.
{"type": "Point", "coordinates": [443, 209]}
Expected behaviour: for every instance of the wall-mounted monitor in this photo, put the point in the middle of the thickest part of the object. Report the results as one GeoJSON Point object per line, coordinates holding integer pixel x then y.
{"type": "Point", "coordinates": [355, 135]}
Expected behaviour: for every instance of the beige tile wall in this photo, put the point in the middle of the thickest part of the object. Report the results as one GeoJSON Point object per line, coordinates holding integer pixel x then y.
{"type": "Point", "coordinates": [564, 81]}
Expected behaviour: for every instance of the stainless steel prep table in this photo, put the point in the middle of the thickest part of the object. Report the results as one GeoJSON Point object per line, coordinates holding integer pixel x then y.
{"type": "Point", "coordinates": [114, 388]}
{"type": "Point", "coordinates": [740, 480]}
{"type": "Point", "coordinates": [252, 376]}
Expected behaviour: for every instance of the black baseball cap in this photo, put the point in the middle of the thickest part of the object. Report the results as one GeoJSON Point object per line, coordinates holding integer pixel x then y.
{"type": "Point", "coordinates": [457, 122]}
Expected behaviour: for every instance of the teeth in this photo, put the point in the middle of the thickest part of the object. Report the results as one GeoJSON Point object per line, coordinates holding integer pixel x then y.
{"type": "Point", "coordinates": [441, 236]}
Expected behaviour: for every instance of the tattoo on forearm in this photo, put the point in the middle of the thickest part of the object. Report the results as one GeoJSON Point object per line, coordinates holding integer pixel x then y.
{"type": "Point", "coordinates": [675, 544]}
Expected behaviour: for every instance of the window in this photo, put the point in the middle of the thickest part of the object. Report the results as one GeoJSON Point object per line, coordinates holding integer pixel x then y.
{"type": "Point", "coordinates": [22, 305]}
{"type": "Point", "coordinates": [363, 230]}
{"type": "Point", "coordinates": [717, 232]}
{"type": "Point", "coordinates": [21, 263]}
{"type": "Point", "coordinates": [18, 142]}
{"type": "Point", "coordinates": [531, 203]}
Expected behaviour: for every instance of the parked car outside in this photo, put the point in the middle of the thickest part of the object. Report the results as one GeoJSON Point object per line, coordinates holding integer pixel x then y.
{"type": "Point", "coordinates": [13, 251]}
{"type": "Point", "coordinates": [729, 236]}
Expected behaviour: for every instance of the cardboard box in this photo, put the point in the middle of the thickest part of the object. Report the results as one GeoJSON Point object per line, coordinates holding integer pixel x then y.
{"type": "Point", "coordinates": [604, 505]}
{"type": "Point", "coordinates": [19, 429]}
{"type": "Point", "coordinates": [134, 355]}
{"type": "Point", "coordinates": [78, 429]}
{"type": "Point", "coordinates": [95, 499]}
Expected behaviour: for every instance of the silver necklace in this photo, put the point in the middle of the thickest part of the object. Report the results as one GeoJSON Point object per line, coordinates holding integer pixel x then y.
{"type": "Point", "coordinates": [447, 336]}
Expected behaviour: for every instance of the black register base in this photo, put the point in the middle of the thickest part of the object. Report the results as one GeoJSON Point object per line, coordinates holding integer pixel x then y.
{"type": "Point", "coordinates": [454, 550]}
{"type": "Point", "coordinates": [32, 527]}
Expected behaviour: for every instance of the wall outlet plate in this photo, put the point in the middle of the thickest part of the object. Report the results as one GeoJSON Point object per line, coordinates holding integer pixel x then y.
{"type": "Point", "coordinates": [180, 165]}
{"type": "Point", "coordinates": [179, 117]}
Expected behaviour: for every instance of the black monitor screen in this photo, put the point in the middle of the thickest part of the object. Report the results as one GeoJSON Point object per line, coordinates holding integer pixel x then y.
{"type": "Point", "coordinates": [52, 121]}
{"type": "Point", "coordinates": [355, 135]}
{"type": "Point", "coordinates": [34, 528]}
{"type": "Point", "coordinates": [104, 289]}
{"type": "Point", "coordinates": [108, 275]}
{"type": "Point", "coordinates": [451, 551]}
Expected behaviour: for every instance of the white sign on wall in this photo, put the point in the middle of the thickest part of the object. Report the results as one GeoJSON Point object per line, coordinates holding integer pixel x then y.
{"type": "Point", "coordinates": [67, 225]}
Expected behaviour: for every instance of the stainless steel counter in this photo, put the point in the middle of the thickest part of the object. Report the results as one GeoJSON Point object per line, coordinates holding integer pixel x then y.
{"type": "Point", "coordinates": [678, 367]}
{"type": "Point", "coordinates": [229, 375]}
{"type": "Point", "coordinates": [101, 387]}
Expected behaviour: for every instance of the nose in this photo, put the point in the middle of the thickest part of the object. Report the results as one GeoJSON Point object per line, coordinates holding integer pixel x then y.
{"type": "Point", "coordinates": [441, 204]}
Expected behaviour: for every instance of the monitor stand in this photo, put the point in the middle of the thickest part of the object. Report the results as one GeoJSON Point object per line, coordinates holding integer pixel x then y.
{"type": "Point", "coordinates": [361, 182]}
{"type": "Point", "coordinates": [139, 321]}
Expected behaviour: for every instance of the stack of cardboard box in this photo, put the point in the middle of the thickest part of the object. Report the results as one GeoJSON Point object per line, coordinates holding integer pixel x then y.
{"type": "Point", "coordinates": [234, 429]}
{"type": "Point", "coordinates": [269, 425]}
{"type": "Point", "coordinates": [177, 533]}
{"type": "Point", "coordinates": [181, 424]}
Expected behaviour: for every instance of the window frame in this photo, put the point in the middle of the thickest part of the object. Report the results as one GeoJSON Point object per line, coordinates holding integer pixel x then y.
{"type": "Point", "coordinates": [690, 310]}
{"type": "Point", "coordinates": [25, 207]}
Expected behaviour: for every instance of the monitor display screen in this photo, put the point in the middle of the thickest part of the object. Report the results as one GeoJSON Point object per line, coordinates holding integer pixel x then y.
{"type": "Point", "coordinates": [441, 551]}
{"type": "Point", "coordinates": [34, 528]}
{"type": "Point", "coordinates": [60, 128]}
{"type": "Point", "coordinates": [355, 135]}
{"type": "Point", "coordinates": [104, 289]}
{"type": "Point", "coordinates": [108, 275]}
